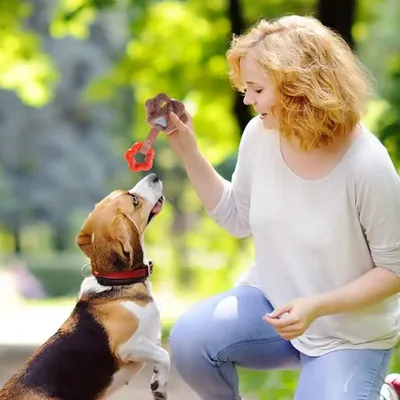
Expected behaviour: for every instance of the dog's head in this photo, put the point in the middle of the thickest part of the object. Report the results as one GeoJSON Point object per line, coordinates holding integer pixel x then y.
{"type": "Point", "coordinates": [112, 234]}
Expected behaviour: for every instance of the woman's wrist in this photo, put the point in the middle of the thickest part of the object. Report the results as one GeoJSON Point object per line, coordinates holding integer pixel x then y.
{"type": "Point", "coordinates": [190, 156]}
{"type": "Point", "coordinates": [369, 289]}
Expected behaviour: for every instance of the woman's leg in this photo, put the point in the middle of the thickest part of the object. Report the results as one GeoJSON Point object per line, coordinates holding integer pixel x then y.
{"type": "Point", "coordinates": [343, 375]}
{"type": "Point", "coordinates": [223, 331]}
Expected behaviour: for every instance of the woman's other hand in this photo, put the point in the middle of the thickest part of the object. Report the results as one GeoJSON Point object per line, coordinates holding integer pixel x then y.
{"type": "Point", "coordinates": [293, 319]}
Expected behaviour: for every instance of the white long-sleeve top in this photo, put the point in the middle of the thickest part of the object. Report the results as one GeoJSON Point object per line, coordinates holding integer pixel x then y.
{"type": "Point", "coordinates": [314, 236]}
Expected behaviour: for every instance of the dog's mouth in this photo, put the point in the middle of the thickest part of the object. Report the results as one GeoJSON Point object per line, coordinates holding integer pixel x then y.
{"type": "Point", "coordinates": [156, 209]}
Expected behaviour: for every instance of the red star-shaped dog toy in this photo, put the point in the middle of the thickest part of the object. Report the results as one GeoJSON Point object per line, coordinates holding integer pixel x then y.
{"type": "Point", "coordinates": [144, 148]}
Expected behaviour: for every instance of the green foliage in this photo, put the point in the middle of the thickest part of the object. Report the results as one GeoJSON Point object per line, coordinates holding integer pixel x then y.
{"type": "Point", "coordinates": [74, 17]}
{"type": "Point", "coordinates": [268, 384]}
{"type": "Point", "coordinates": [60, 274]}
{"type": "Point", "coordinates": [24, 66]}
{"type": "Point", "coordinates": [379, 47]}
{"type": "Point", "coordinates": [59, 277]}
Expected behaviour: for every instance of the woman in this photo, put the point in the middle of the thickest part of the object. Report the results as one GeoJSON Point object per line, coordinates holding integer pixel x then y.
{"type": "Point", "coordinates": [320, 197]}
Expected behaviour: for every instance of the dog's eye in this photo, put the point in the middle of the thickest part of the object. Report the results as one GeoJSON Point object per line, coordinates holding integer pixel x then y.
{"type": "Point", "coordinates": [135, 199]}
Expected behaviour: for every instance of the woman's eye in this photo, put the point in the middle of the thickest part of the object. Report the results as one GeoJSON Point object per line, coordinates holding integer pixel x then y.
{"type": "Point", "coordinates": [259, 91]}
{"type": "Point", "coordinates": [135, 199]}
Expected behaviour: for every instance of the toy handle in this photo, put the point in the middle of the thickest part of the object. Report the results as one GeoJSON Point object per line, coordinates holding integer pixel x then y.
{"type": "Point", "coordinates": [151, 137]}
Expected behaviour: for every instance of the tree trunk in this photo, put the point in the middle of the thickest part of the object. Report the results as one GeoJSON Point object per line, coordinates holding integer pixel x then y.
{"type": "Point", "coordinates": [181, 252]}
{"type": "Point", "coordinates": [338, 15]}
{"type": "Point", "coordinates": [16, 232]}
{"type": "Point", "coordinates": [241, 111]}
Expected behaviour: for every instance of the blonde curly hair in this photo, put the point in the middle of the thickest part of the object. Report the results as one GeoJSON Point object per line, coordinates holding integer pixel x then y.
{"type": "Point", "coordinates": [321, 86]}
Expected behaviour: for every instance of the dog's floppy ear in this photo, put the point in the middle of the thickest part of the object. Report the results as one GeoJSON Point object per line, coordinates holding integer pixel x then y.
{"type": "Point", "coordinates": [126, 235]}
{"type": "Point", "coordinates": [84, 238]}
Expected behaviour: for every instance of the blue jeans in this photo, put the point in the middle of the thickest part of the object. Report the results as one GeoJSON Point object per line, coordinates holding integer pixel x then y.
{"type": "Point", "coordinates": [215, 335]}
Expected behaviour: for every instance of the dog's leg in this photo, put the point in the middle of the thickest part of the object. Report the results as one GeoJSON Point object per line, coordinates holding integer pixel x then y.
{"type": "Point", "coordinates": [123, 377]}
{"type": "Point", "coordinates": [146, 351]}
{"type": "Point", "coordinates": [156, 369]}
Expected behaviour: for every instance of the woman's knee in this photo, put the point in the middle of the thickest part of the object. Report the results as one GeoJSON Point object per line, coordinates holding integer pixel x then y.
{"type": "Point", "coordinates": [216, 323]}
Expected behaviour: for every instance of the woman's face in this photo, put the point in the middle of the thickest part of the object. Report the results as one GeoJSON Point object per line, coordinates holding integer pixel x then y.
{"type": "Point", "coordinates": [260, 91]}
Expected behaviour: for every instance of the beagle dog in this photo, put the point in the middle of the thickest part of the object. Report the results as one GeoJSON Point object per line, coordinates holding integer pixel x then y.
{"type": "Point", "coordinates": [114, 329]}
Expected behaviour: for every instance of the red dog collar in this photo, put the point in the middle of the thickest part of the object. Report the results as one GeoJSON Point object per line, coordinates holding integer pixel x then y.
{"type": "Point", "coordinates": [118, 278]}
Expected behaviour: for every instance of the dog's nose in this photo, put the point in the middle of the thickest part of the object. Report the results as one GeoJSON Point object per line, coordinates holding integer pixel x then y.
{"type": "Point", "coordinates": [153, 178]}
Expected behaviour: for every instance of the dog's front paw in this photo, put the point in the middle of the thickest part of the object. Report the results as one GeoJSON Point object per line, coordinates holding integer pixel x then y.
{"type": "Point", "coordinates": [158, 386]}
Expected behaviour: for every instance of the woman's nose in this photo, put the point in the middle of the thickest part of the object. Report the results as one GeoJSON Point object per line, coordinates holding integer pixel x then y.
{"type": "Point", "coordinates": [248, 100]}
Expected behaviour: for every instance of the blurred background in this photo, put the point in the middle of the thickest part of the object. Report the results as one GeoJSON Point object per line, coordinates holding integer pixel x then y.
{"type": "Point", "coordinates": [74, 77]}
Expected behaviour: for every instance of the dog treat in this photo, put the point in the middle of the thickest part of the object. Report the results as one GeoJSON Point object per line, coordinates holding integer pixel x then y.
{"type": "Point", "coordinates": [158, 109]}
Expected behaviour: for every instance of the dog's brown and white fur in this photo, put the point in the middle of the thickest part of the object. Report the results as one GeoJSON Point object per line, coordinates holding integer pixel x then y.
{"type": "Point", "coordinates": [113, 331]}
